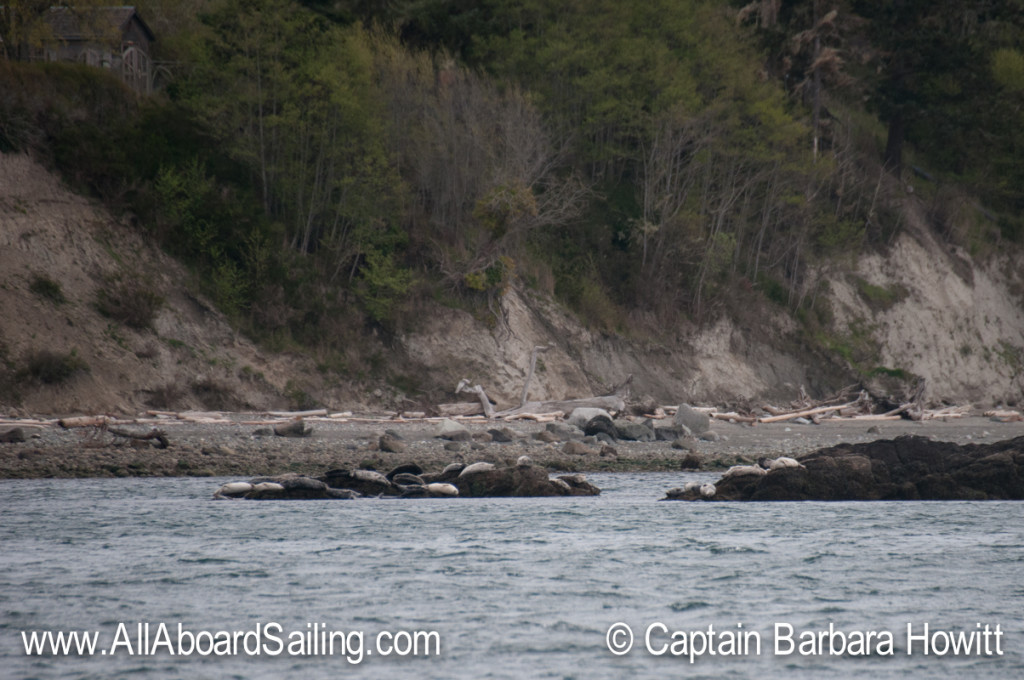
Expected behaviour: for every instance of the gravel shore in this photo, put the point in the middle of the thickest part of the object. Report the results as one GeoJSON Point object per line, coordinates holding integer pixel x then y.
{"type": "Point", "coordinates": [237, 449]}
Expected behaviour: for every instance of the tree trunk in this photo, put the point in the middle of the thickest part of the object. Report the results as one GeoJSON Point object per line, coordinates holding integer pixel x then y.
{"type": "Point", "coordinates": [894, 145]}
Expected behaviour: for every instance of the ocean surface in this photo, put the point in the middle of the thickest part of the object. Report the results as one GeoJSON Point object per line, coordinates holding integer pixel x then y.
{"type": "Point", "coordinates": [172, 584]}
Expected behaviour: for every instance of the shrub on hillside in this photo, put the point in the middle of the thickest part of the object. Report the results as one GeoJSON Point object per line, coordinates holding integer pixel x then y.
{"type": "Point", "coordinates": [52, 368]}
{"type": "Point", "coordinates": [129, 302]}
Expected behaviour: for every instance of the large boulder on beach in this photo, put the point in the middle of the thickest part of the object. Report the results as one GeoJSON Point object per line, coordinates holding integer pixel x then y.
{"type": "Point", "coordinates": [693, 420]}
{"type": "Point", "coordinates": [905, 468]}
{"type": "Point", "coordinates": [452, 431]}
{"type": "Point", "coordinates": [634, 432]}
{"type": "Point", "coordinates": [582, 415]}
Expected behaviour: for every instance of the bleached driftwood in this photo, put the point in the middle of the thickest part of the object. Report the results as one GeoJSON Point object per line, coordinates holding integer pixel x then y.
{"type": "Point", "coordinates": [461, 408]}
{"type": "Point", "coordinates": [485, 402]}
{"type": "Point", "coordinates": [529, 374]}
{"type": "Point", "coordinates": [803, 414]}
{"type": "Point", "coordinates": [611, 402]}
{"type": "Point", "coordinates": [732, 415]}
{"type": "Point", "coordinates": [298, 414]}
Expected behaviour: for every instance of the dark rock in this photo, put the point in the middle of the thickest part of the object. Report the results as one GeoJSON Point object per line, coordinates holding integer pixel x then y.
{"type": "Point", "coordinates": [905, 468]}
{"type": "Point", "coordinates": [407, 479]}
{"type": "Point", "coordinates": [633, 432]}
{"type": "Point", "coordinates": [690, 461]}
{"type": "Point", "coordinates": [411, 468]}
{"type": "Point", "coordinates": [502, 436]}
{"type": "Point", "coordinates": [643, 405]}
{"type": "Point", "coordinates": [13, 436]}
{"type": "Point", "coordinates": [482, 438]}
{"type": "Point", "coordinates": [599, 425]}
{"type": "Point", "coordinates": [518, 481]}
{"type": "Point", "coordinates": [579, 486]}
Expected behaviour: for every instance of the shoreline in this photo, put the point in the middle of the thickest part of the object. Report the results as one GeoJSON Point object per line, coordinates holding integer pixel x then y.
{"type": "Point", "coordinates": [237, 449]}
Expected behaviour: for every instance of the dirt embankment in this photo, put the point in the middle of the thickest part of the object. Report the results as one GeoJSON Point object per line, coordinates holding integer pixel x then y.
{"type": "Point", "coordinates": [920, 311]}
{"type": "Point", "coordinates": [240, 449]}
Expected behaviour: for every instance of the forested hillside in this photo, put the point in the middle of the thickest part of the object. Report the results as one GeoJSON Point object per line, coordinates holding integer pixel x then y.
{"type": "Point", "coordinates": [328, 168]}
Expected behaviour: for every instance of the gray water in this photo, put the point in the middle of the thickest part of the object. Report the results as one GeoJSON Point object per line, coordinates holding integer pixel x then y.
{"type": "Point", "coordinates": [513, 588]}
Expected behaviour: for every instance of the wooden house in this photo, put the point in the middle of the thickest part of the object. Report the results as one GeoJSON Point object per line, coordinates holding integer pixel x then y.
{"type": "Point", "coordinates": [115, 38]}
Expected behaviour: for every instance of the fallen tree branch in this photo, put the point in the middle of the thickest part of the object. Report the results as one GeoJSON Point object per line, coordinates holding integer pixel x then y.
{"type": "Point", "coordinates": [565, 407]}
{"type": "Point", "coordinates": [805, 413]}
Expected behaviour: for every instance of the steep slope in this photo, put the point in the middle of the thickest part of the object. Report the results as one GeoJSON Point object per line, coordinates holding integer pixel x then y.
{"type": "Point", "coordinates": [955, 321]}
{"type": "Point", "coordinates": [61, 256]}
{"type": "Point", "coordinates": [920, 310]}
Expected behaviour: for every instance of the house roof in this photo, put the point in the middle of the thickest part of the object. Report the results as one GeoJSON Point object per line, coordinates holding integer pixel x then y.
{"type": "Point", "coordinates": [68, 24]}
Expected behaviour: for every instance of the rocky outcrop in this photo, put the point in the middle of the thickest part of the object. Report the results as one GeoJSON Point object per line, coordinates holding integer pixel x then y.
{"type": "Point", "coordinates": [905, 468]}
{"type": "Point", "coordinates": [282, 487]}
{"type": "Point", "coordinates": [521, 480]}
{"type": "Point", "coordinates": [479, 480]}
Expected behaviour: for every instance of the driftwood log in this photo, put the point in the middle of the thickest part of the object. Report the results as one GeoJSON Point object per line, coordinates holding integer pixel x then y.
{"type": "Point", "coordinates": [154, 434]}
{"type": "Point", "coordinates": [547, 409]}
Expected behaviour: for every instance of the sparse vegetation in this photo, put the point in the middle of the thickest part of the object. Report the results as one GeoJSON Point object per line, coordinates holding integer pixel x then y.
{"type": "Point", "coordinates": [47, 288]}
{"type": "Point", "coordinates": [298, 398]}
{"type": "Point", "coordinates": [53, 368]}
{"type": "Point", "coordinates": [130, 301]}
{"type": "Point", "coordinates": [642, 161]}
{"type": "Point", "coordinates": [215, 395]}
{"type": "Point", "coordinates": [879, 298]}
{"type": "Point", "coordinates": [167, 396]}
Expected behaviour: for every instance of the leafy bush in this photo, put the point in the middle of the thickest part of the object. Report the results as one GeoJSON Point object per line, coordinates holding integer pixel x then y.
{"type": "Point", "coordinates": [130, 302]}
{"type": "Point", "coordinates": [47, 289]}
{"type": "Point", "coordinates": [215, 395]}
{"type": "Point", "coordinates": [53, 368]}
